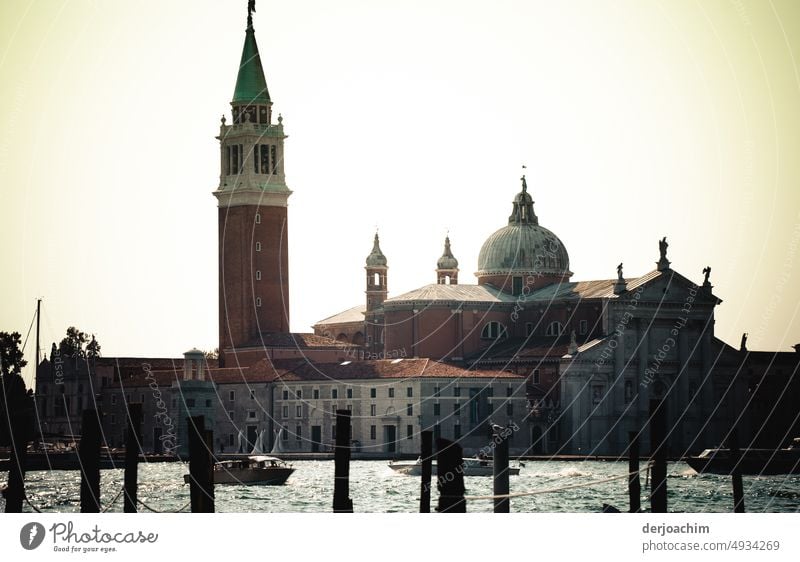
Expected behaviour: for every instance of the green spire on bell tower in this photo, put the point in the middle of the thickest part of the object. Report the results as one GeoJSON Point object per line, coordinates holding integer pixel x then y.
{"type": "Point", "coordinates": [251, 86]}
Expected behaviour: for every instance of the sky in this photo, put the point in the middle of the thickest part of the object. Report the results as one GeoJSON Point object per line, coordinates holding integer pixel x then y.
{"type": "Point", "coordinates": [635, 119]}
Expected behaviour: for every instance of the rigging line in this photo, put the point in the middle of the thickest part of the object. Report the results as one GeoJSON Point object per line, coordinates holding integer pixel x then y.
{"type": "Point", "coordinates": [106, 508]}
{"type": "Point", "coordinates": [158, 511]}
{"type": "Point", "coordinates": [558, 489]}
{"type": "Point", "coordinates": [33, 507]}
{"type": "Point", "coordinates": [29, 332]}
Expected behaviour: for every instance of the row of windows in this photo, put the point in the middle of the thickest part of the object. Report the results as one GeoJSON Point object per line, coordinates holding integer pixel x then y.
{"type": "Point", "coordinates": [297, 394]}
{"type": "Point", "coordinates": [495, 330]}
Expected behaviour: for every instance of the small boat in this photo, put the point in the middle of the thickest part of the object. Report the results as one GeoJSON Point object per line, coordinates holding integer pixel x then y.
{"type": "Point", "coordinates": [472, 467]}
{"type": "Point", "coordinates": [256, 469]}
{"type": "Point", "coordinates": [753, 462]}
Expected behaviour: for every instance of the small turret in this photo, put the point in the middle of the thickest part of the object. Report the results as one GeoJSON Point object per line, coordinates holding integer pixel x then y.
{"type": "Point", "coordinates": [447, 266]}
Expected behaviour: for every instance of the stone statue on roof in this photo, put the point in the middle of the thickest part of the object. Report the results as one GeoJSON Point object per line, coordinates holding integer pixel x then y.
{"type": "Point", "coordinates": [662, 247]}
{"type": "Point", "coordinates": [619, 273]}
{"type": "Point", "coordinates": [707, 273]}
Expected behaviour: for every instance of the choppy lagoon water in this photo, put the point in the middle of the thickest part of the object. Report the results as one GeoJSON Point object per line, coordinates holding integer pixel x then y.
{"type": "Point", "coordinates": [374, 487]}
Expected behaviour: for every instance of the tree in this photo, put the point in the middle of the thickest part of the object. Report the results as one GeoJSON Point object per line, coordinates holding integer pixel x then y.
{"type": "Point", "coordinates": [11, 361]}
{"type": "Point", "coordinates": [212, 354]}
{"type": "Point", "coordinates": [93, 349]}
{"type": "Point", "coordinates": [72, 345]}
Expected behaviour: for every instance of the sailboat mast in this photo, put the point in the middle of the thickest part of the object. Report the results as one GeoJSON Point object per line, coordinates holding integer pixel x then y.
{"type": "Point", "coordinates": [36, 363]}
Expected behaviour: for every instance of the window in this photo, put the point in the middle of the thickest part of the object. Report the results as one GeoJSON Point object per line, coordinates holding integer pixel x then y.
{"type": "Point", "coordinates": [350, 407]}
{"type": "Point", "coordinates": [509, 408]}
{"type": "Point", "coordinates": [629, 391]}
{"type": "Point", "coordinates": [373, 392]}
{"type": "Point", "coordinates": [285, 394]}
{"type": "Point", "coordinates": [509, 391]}
{"type": "Point", "coordinates": [528, 328]}
{"type": "Point", "coordinates": [273, 158]}
{"type": "Point", "coordinates": [264, 160]}
{"type": "Point", "coordinates": [334, 393]}
{"type": "Point", "coordinates": [231, 415]}
{"type": "Point", "coordinates": [583, 327]}
{"type": "Point", "coordinates": [516, 286]}
{"type": "Point", "coordinates": [286, 412]}
{"type": "Point", "coordinates": [252, 395]}
{"type": "Point", "coordinates": [298, 432]}
{"type": "Point", "coordinates": [298, 411]}
{"type": "Point", "coordinates": [494, 331]}
{"type": "Point", "coordinates": [284, 434]}
{"type": "Point", "coordinates": [208, 403]}
{"type": "Point", "coordinates": [373, 410]}
{"type": "Point", "coordinates": [230, 440]}
{"type": "Point", "coordinates": [456, 391]}
{"type": "Point", "coordinates": [391, 392]}
{"type": "Point", "coordinates": [535, 376]}
{"type": "Point", "coordinates": [457, 432]}
{"type": "Point", "coordinates": [409, 409]}
{"type": "Point", "coordinates": [258, 301]}
{"type": "Point", "coordinates": [597, 393]}
{"type": "Point", "coordinates": [258, 246]}
{"type": "Point", "coordinates": [258, 218]}
{"type": "Point", "coordinates": [410, 392]}
{"type": "Point", "coordinates": [437, 390]}
{"type": "Point", "coordinates": [231, 395]}
{"type": "Point", "coordinates": [554, 329]}
{"type": "Point", "coordinates": [376, 280]}
{"type": "Point", "coordinates": [258, 275]}
{"type": "Point", "coordinates": [437, 409]}
{"type": "Point", "coordinates": [349, 392]}
{"type": "Point", "coordinates": [373, 432]}
{"type": "Point", "coordinates": [251, 414]}
{"type": "Point", "coordinates": [437, 431]}
{"type": "Point", "coordinates": [298, 394]}
{"type": "Point", "coordinates": [456, 409]}
{"type": "Point", "coordinates": [409, 432]}
{"type": "Point", "coordinates": [316, 394]}
{"type": "Point", "coordinates": [190, 402]}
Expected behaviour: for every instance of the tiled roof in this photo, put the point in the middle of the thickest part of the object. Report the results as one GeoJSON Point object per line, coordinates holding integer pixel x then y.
{"type": "Point", "coordinates": [387, 369]}
{"type": "Point", "coordinates": [294, 341]}
{"type": "Point", "coordinates": [536, 347]}
{"type": "Point", "coordinates": [355, 314]}
{"type": "Point", "coordinates": [457, 293]}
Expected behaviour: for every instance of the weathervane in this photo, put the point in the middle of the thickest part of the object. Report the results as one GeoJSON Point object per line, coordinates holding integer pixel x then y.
{"type": "Point", "coordinates": [251, 7]}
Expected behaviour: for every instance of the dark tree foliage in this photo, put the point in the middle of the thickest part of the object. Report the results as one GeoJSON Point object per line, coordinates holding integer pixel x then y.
{"type": "Point", "coordinates": [16, 402]}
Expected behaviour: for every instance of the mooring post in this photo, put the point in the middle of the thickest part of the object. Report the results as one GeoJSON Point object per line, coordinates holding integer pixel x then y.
{"type": "Point", "coordinates": [341, 472]}
{"type": "Point", "coordinates": [133, 445]}
{"type": "Point", "coordinates": [500, 469]}
{"type": "Point", "coordinates": [658, 444]}
{"type": "Point", "coordinates": [450, 477]}
{"type": "Point", "coordinates": [15, 492]}
{"type": "Point", "coordinates": [427, 465]}
{"type": "Point", "coordinates": [736, 472]}
{"type": "Point", "coordinates": [89, 456]}
{"type": "Point", "coordinates": [634, 484]}
{"type": "Point", "coordinates": [201, 470]}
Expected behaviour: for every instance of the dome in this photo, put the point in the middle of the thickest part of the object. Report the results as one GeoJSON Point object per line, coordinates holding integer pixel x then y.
{"type": "Point", "coordinates": [447, 261]}
{"type": "Point", "coordinates": [523, 247]}
{"type": "Point", "coordinates": [376, 257]}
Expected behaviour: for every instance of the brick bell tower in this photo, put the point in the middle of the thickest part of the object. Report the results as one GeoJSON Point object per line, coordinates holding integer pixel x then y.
{"type": "Point", "coordinates": [252, 199]}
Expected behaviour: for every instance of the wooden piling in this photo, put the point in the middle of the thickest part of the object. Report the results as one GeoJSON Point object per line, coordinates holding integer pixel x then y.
{"type": "Point", "coordinates": [658, 444]}
{"type": "Point", "coordinates": [500, 470]}
{"type": "Point", "coordinates": [133, 445]}
{"type": "Point", "coordinates": [341, 475]}
{"type": "Point", "coordinates": [634, 484]}
{"type": "Point", "coordinates": [450, 477]}
{"type": "Point", "coordinates": [89, 457]}
{"type": "Point", "coordinates": [15, 492]}
{"type": "Point", "coordinates": [736, 472]}
{"type": "Point", "coordinates": [427, 465]}
{"type": "Point", "coordinates": [201, 466]}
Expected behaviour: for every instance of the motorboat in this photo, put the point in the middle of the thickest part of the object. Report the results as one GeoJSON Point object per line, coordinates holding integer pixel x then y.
{"type": "Point", "coordinates": [752, 462]}
{"type": "Point", "coordinates": [473, 466]}
{"type": "Point", "coordinates": [254, 469]}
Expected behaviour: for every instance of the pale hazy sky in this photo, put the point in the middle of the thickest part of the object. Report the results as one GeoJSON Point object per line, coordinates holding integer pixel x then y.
{"type": "Point", "coordinates": [636, 119]}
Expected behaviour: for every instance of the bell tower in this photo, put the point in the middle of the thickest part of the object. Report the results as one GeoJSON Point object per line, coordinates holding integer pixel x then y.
{"type": "Point", "coordinates": [377, 291]}
{"type": "Point", "coordinates": [447, 266]}
{"type": "Point", "coordinates": [252, 198]}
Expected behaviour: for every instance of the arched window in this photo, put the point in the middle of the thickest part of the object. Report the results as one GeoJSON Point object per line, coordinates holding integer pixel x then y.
{"type": "Point", "coordinates": [258, 246]}
{"type": "Point", "coordinates": [555, 329]}
{"type": "Point", "coordinates": [258, 275]}
{"type": "Point", "coordinates": [493, 331]}
{"type": "Point", "coordinates": [258, 218]}
{"type": "Point", "coordinates": [376, 280]}
{"type": "Point", "coordinates": [258, 301]}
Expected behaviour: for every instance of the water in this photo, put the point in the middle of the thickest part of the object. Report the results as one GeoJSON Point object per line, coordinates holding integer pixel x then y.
{"type": "Point", "coordinates": [374, 487]}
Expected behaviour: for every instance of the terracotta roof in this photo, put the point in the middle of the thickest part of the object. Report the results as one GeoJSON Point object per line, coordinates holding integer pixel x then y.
{"type": "Point", "coordinates": [457, 293]}
{"type": "Point", "coordinates": [387, 369]}
{"type": "Point", "coordinates": [294, 341]}
{"type": "Point", "coordinates": [355, 314]}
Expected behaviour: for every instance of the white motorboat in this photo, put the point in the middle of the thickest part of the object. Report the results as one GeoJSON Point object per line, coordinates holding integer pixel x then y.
{"type": "Point", "coordinates": [256, 469]}
{"type": "Point", "coordinates": [472, 467]}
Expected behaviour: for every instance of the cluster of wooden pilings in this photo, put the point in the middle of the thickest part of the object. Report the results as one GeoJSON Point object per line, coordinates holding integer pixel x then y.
{"type": "Point", "coordinates": [449, 462]}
